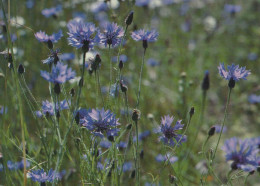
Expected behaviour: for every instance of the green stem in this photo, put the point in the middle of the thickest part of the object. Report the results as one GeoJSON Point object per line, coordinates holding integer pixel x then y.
{"type": "Point", "coordinates": [137, 162]}
{"type": "Point", "coordinates": [140, 80]}
{"type": "Point", "coordinates": [223, 123]}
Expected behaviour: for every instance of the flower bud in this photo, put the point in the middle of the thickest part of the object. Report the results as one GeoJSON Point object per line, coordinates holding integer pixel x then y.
{"type": "Point", "coordinates": [81, 82]}
{"type": "Point", "coordinates": [129, 18]}
{"type": "Point", "coordinates": [50, 44]}
{"type": "Point", "coordinates": [123, 87]}
{"type": "Point", "coordinates": [172, 178]}
{"type": "Point", "coordinates": [212, 131]}
{"type": "Point", "coordinates": [231, 83]}
{"type": "Point", "coordinates": [129, 126]}
{"type": "Point", "coordinates": [77, 118]}
{"type": "Point", "coordinates": [192, 111]}
{"type": "Point", "coordinates": [142, 154]}
{"type": "Point", "coordinates": [133, 174]}
{"type": "Point", "coordinates": [57, 88]}
{"type": "Point", "coordinates": [121, 65]}
{"type": "Point", "coordinates": [136, 115]}
{"type": "Point", "coordinates": [21, 69]}
{"type": "Point", "coordinates": [72, 92]}
{"type": "Point", "coordinates": [205, 83]}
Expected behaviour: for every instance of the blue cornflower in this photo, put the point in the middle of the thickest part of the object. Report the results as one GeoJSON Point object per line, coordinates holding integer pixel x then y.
{"type": "Point", "coordinates": [242, 153]}
{"type": "Point", "coordinates": [233, 72]}
{"type": "Point", "coordinates": [232, 9]}
{"type": "Point", "coordinates": [122, 58]}
{"type": "Point", "coordinates": [111, 35]}
{"type": "Point", "coordinates": [101, 122]}
{"type": "Point", "coordinates": [127, 166]}
{"type": "Point", "coordinates": [47, 108]}
{"type": "Point", "coordinates": [82, 35]}
{"type": "Point", "coordinates": [67, 56]}
{"type": "Point", "coordinates": [53, 57]}
{"type": "Point", "coordinates": [30, 4]}
{"type": "Point", "coordinates": [253, 98]}
{"type": "Point", "coordinates": [59, 74]}
{"type": "Point", "coordinates": [98, 6]}
{"type": "Point", "coordinates": [43, 37]}
{"type": "Point", "coordinates": [41, 176]}
{"type": "Point", "coordinates": [256, 142]}
{"type": "Point", "coordinates": [152, 62]}
{"type": "Point", "coordinates": [145, 36]}
{"type": "Point", "coordinates": [142, 2]}
{"type": "Point", "coordinates": [2, 110]}
{"type": "Point", "coordinates": [218, 128]}
{"type": "Point", "coordinates": [105, 144]}
{"type": "Point", "coordinates": [122, 145]}
{"type": "Point", "coordinates": [52, 11]}
{"type": "Point", "coordinates": [169, 136]}
{"type": "Point", "coordinates": [142, 135]}
{"type": "Point", "coordinates": [161, 158]}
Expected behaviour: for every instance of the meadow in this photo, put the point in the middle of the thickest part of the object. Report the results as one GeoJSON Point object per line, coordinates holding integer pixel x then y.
{"type": "Point", "coordinates": [129, 92]}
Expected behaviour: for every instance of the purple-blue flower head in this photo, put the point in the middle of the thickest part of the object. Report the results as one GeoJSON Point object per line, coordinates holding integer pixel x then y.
{"type": "Point", "coordinates": [142, 2]}
{"type": "Point", "coordinates": [122, 58]}
{"type": "Point", "coordinates": [82, 35]}
{"type": "Point", "coordinates": [145, 36]}
{"type": "Point", "coordinates": [41, 176]}
{"type": "Point", "coordinates": [242, 153]}
{"type": "Point", "coordinates": [142, 135]}
{"type": "Point", "coordinates": [105, 144]}
{"type": "Point", "coordinates": [253, 98]}
{"type": "Point", "coordinates": [122, 145]}
{"type": "Point", "coordinates": [53, 57]}
{"type": "Point", "coordinates": [233, 72]}
{"type": "Point", "coordinates": [169, 135]}
{"type": "Point", "coordinates": [152, 62]}
{"type": "Point", "coordinates": [59, 74]}
{"type": "Point", "coordinates": [127, 166]}
{"type": "Point", "coordinates": [232, 9]}
{"type": "Point", "coordinates": [111, 35]}
{"type": "Point", "coordinates": [47, 108]}
{"type": "Point", "coordinates": [160, 158]}
{"type": "Point", "coordinates": [67, 56]}
{"type": "Point", "coordinates": [43, 37]}
{"type": "Point", "coordinates": [98, 6]}
{"type": "Point", "coordinates": [52, 11]}
{"type": "Point", "coordinates": [101, 122]}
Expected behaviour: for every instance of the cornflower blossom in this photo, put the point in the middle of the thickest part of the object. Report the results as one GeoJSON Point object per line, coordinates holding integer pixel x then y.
{"type": "Point", "coordinates": [59, 74]}
{"type": "Point", "coordinates": [145, 36]}
{"type": "Point", "coordinates": [232, 9]}
{"type": "Point", "coordinates": [48, 12]}
{"type": "Point", "coordinates": [98, 6]}
{"type": "Point", "coordinates": [42, 177]}
{"type": "Point", "coordinates": [53, 57]}
{"type": "Point", "coordinates": [169, 135]}
{"type": "Point", "coordinates": [82, 35]}
{"type": "Point", "coordinates": [15, 165]}
{"type": "Point", "coordinates": [233, 72]}
{"type": "Point", "coordinates": [142, 2]}
{"type": "Point", "coordinates": [67, 56]}
{"type": "Point", "coordinates": [43, 37]}
{"type": "Point", "coordinates": [47, 108]}
{"type": "Point", "coordinates": [101, 122]}
{"type": "Point", "coordinates": [242, 153]}
{"type": "Point", "coordinates": [142, 135]}
{"type": "Point", "coordinates": [127, 166]}
{"type": "Point", "coordinates": [152, 62]}
{"type": "Point", "coordinates": [111, 35]}
{"type": "Point", "coordinates": [253, 98]}
{"type": "Point", "coordinates": [121, 145]}
{"type": "Point", "coordinates": [105, 144]}
{"type": "Point", "coordinates": [161, 158]}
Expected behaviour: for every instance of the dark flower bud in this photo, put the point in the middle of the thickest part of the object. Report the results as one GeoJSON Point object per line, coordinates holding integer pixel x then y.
{"type": "Point", "coordinates": [56, 59]}
{"type": "Point", "coordinates": [77, 118]}
{"type": "Point", "coordinates": [231, 83]}
{"type": "Point", "coordinates": [50, 44]}
{"type": "Point", "coordinates": [205, 82]}
{"type": "Point", "coordinates": [58, 114]}
{"type": "Point", "coordinates": [98, 59]}
{"type": "Point", "coordinates": [21, 69]}
{"type": "Point", "coordinates": [85, 47]}
{"type": "Point", "coordinates": [81, 82]}
{"type": "Point", "coordinates": [142, 154]}
{"type": "Point", "coordinates": [123, 87]}
{"type": "Point", "coordinates": [133, 174]}
{"type": "Point", "coordinates": [129, 18]}
{"type": "Point", "coordinates": [111, 138]}
{"type": "Point", "coordinates": [252, 172]}
{"type": "Point", "coordinates": [129, 126]}
{"type": "Point", "coordinates": [145, 44]}
{"type": "Point", "coordinates": [172, 178]}
{"type": "Point", "coordinates": [192, 111]}
{"type": "Point", "coordinates": [72, 92]}
{"type": "Point", "coordinates": [234, 166]}
{"type": "Point", "coordinates": [95, 64]}
{"type": "Point", "coordinates": [121, 65]}
{"type": "Point", "coordinates": [136, 115]}
{"type": "Point", "coordinates": [57, 88]}
{"type": "Point", "coordinates": [212, 131]}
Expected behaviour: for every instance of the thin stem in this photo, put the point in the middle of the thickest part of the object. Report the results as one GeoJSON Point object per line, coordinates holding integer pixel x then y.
{"type": "Point", "coordinates": [99, 86]}
{"type": "Point", "coordinates": [110, 73]}
{"type": "Point", "coordinates": [223, 123]}
{"type": "Point", "coordinates": [140, 80]}
{"type": "Point", "coordinates": [137, 173]}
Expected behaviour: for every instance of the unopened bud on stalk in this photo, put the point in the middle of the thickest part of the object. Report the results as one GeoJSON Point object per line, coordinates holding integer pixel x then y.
{"type": "Point", "coordinates": [205, 83]}
{"type": "Point", "coordinates": [212, 131]}
{"type": "Point", "coordinates": [129, 18]}
{"type": "Point", "coordinates": [136, 115]}
{"type": "Point", "coordinates": [21, 69]}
